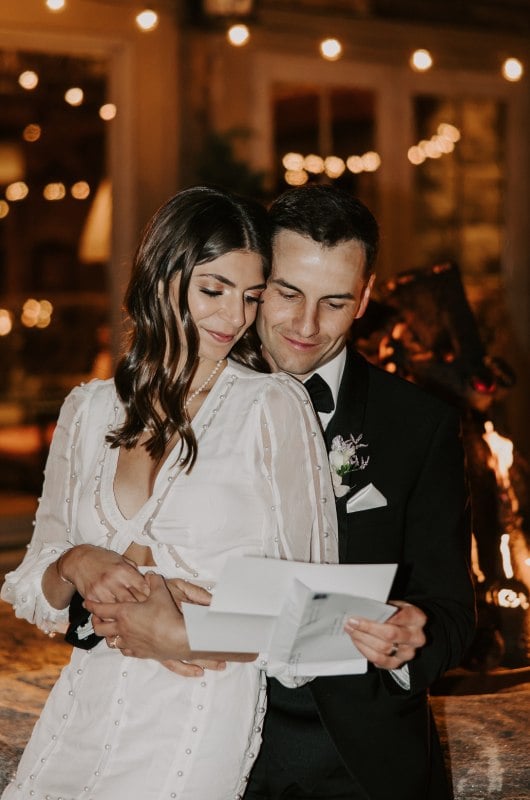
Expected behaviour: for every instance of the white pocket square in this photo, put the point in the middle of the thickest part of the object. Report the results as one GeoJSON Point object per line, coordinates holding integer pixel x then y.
{"type": "Point", "coordinates": [365, 498]}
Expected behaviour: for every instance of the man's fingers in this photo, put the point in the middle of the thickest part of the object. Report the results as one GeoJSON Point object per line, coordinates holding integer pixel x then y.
{"type": "Point", "coordinates": [183, 668]}
{"type": "Point", "coordinates": [188, 592]}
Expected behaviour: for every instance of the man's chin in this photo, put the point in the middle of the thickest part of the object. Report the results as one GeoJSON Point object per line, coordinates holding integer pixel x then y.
{"type": "Point", "coordinates": [298, 367]}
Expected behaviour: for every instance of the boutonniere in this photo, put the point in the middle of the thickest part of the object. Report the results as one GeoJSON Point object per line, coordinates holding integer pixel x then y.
{"type": "Point", "coordinates": [344, 457]}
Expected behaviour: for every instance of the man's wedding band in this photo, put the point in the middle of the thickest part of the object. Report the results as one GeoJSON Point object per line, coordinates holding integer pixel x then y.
{"type": "Point", "coordinates": [114, 642]}
{"type": "Point", "coordinates": [395, 648]}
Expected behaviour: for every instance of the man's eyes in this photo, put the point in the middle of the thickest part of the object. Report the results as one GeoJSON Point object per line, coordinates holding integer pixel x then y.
{"type": "Point", "coordinates": [328, 303]}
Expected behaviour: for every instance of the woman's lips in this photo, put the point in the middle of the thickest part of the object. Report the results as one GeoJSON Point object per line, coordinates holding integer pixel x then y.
{"type": "Point", "coordinates": [222, 338]}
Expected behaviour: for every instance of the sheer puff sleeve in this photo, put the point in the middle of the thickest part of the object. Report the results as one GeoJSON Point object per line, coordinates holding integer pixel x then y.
{"type": "Point", "coordinates": [54, 520]}
{"type": "Point", "coordinates": [295, 461]}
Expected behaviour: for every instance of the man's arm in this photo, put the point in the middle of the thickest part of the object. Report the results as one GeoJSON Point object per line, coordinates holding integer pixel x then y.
{"type": "Point", "coordinates": [435, 621]}
{"type": "Point", "coordinates": [155, 627]}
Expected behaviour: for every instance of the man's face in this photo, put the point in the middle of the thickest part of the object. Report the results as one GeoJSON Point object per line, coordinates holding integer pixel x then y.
{"type": "Point", "coordinates": [312, 297]}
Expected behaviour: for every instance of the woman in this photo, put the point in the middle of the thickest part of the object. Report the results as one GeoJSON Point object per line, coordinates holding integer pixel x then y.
{"type": "Point", "coordinates": [187, 457]}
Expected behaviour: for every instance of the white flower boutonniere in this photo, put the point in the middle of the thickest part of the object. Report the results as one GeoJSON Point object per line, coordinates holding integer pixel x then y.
{"type": "Point", "coordinates": [344, 457]}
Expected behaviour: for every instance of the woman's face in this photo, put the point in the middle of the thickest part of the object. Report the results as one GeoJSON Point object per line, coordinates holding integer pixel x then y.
{"type": "Point", "coordinates": [223, 299]}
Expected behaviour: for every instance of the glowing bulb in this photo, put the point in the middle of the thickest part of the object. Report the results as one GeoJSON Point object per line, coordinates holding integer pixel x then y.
{"type": "Point", "coordinates": [6, 322]}
{"type": "Point", "coordinates": [17, 191]}
{"type": "Point", "coordinates": [55, 5]}
{"type": "Point", "coordinates": [371, 161]}
{"type": "Point", "coordinates": [107, 111]}
{"type": "Point", "coordinates": [238, 35]}
{"type": "Point", "coordinates": [28, 79]}
{"type": "Point", "coordinates": [80, 190]}
{"type": "Point", "coordinates": [293, 161]}
{"type": "Point", "coordinates": [449, 132]}
{"type": "Point", "coordinates": [355, 164]}
{"type": "Point", "coordinates": [147, 20]}
{"type": "Point", "coordinates": [4, 209]}
{"type": "Point", "coordinates": [331, 49]}
{"type": "Point", "coordinates": [415, 155]}
{"type": "Point", "coordinates": [512, 69]}
{"type": "Point", "coordinates": [31, 133]}
{"type": "Point", "coordinates": [74, 96]}
{"type": "Point", "coordinates": [334, 166]}
{"type": "Point", "coordinates": [314, 164]}
{"type": "Point", "coordinates": [421, 60]}
{"type": "Point", "coordinates": [54, 191]}
{"type": "Point", "coordinates": [296, 177]}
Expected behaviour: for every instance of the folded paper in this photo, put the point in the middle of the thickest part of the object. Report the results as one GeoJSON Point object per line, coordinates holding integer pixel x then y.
{"type": "Point", "coordinates": [294, 612]}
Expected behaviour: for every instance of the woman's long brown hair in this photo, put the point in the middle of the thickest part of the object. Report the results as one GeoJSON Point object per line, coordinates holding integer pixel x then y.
{"type": "Point", "coordinates": [194, 227]}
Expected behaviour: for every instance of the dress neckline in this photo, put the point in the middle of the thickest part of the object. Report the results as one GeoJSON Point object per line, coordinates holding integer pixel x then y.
{"type": "Point", "coordinates": [170, 470]}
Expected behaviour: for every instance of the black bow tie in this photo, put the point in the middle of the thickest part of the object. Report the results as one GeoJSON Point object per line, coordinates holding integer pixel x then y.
{"type": "Point", "coordinates": [320, 394]}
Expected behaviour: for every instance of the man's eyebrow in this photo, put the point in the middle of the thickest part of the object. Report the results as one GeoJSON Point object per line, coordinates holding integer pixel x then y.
{"type": "Point", "coordinates": [227, 282]}
{"type": "Point", "coordinates": [343, 296]}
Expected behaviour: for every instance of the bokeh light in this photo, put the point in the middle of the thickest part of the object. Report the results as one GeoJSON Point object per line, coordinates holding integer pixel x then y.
{"type": "Point", "coordinates": [28, 79]}
{"type": "Point", "coordinates": [16, 191]}
{"type": "Point", "coordinates": [6, 322]}
{"type": "Point", "coordinates": [238, 35]}
{"type": "Point", "coordinates": [54, 191]}
{"type": "Point", "coordinates": [331, 49]}
{"type": "Point", "coordinates": [421, 60]}
{"type": "Point", "coordinates": [147, 20]}
{"type": "Point", "coordinates": [512, 69]}
{"type": "Point", "coordinates": [107, 111]}
{"type": "Point", "coordinates": [32, 133]}
{"type": "Point", "coordinates": [74, 96]}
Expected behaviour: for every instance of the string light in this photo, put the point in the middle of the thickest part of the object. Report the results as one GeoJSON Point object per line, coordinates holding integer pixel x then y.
{"type": "Point", "coordinates": [107, 111]}
{"type": "Point", "coordinates": [512, 69]}
{"type": "Point", "coordinates": [421, 60]}
{"type": "Point", "coordinates": [16, 191]}
{"type": "Point", "coordinates": [330, 49]}
{"type": "Point", "coordinates": [54, 191]}
{"type": "Point", "coordinates": [28, 80]}
{"type": "Point", "coordinates": [74, 96]}
{"type": "Point", "coordinates": [55, 5]}
{"type": "Point", "coordinates": [147, 20]}
{"type": "Point", "coordinates": [6, 322]}
{"type": "Point", "coordinates": [238, 35]}
{"type": "Point", "coordinates": [32, 133]}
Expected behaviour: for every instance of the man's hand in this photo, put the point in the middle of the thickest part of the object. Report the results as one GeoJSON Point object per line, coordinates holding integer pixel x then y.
{"type": "Point", "coordinates": [390, 644]}
{"type": "Point", "coordinates": [155, 627]}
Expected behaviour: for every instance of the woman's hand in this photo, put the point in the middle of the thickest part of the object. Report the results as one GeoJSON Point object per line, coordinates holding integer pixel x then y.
{"type": "Point", "coordinates": [102, 575]}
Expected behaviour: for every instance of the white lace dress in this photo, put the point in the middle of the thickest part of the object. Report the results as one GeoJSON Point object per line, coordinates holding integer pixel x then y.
{"type": "Point", "coordinates": [119, 728]}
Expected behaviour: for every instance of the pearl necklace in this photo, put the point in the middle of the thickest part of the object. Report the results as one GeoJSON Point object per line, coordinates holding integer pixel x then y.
{"type": "Point", "coordinates": [203, 385]}
{"type": "Point", "coordinates": [200, 388]}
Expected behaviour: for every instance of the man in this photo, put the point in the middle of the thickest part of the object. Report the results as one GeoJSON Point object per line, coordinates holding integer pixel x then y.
{"type": "Point", "coordinates": [371, 736]}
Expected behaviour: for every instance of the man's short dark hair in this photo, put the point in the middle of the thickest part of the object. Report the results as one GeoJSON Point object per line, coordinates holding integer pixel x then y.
{"type": "Point", "coordinates": [329, 216]}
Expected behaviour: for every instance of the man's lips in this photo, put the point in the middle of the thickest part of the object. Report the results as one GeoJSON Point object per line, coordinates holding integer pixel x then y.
{"type": "Point", "coordinates": [299, 345]}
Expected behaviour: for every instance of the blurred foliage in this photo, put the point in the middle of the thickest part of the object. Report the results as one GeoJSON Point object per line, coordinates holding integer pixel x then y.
{"type": "Point", "coordinates": [218, 164]}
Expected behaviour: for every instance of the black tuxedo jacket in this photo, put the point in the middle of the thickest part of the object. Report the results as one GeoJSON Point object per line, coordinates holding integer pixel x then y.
{"type": "Point", "coordinates": [385, 734]}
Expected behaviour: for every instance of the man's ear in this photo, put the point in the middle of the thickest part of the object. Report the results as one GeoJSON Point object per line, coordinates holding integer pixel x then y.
{"type": "Point", "coordinates": [367, 290]}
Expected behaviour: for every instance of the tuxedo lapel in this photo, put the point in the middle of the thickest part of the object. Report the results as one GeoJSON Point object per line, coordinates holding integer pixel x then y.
{"type": "Point", "coordinates": [351, 401]}
{"type": "Point", "coordinates": [349, 419]}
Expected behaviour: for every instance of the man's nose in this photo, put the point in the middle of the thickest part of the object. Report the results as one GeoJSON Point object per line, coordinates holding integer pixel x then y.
{"type": "Point", "coordinates": [307, 323]}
